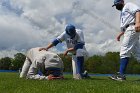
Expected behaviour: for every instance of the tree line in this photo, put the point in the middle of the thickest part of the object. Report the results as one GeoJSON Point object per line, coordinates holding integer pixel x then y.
{"type": "Point", "coordinates": [102, 64]}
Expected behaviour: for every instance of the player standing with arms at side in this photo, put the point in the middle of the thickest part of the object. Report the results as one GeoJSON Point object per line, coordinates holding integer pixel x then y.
{"type": "Point", "coordinates": [74, 39]}
{"type": "Point", "coordinates": [130, 27]}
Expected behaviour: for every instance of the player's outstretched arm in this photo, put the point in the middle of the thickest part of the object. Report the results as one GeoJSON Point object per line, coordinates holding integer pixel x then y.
{"type": "Point", "coordinates": [46, 48]}
{"type": "Point", "coordinates": [137, 25]}
{"type": "Point", "coordinates": [54, 43]}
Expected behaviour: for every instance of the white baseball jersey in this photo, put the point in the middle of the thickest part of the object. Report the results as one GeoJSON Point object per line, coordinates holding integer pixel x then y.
{"type": "Point", "coordinates": [128, 14]}
{"type": "Point", "coordinates": [72, 42]}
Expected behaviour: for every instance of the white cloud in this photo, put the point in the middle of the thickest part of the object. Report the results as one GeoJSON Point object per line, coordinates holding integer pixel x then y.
{"type": "Point", "coordinates": [32, 23]}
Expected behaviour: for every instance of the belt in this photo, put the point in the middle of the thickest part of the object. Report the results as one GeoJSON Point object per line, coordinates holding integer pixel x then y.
{"type": "Point", "coordinates": [129, 25]}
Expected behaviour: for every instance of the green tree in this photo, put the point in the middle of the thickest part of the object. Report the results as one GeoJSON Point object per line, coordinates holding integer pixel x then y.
{"type": "Point", "coordinates": [133, 66]}
{"type": "Point", "coordinates": [5, 63]}
{"type": "Point", "coordinates": [67, 63]}
{"type": "Point", "coordinates": [18, 61]}
{"type": "Point", "coordinates": [111, 62]}
{"type": "Point", "coordinates": [93, 63]}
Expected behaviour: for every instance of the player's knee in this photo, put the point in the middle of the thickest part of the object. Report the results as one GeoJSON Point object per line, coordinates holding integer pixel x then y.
{"type": "Point", "coordinates": [79, 52]}
{"type": "Point", "coordinates": [23, 74]}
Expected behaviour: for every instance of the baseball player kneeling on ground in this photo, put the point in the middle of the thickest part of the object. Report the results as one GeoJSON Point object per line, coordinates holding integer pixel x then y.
{"type": "Point", "coordinates": [130, 28]}
{"type": "Point", "coordinates": [42, 65]}
{"type": "Point", "coordinates": [74, 39]}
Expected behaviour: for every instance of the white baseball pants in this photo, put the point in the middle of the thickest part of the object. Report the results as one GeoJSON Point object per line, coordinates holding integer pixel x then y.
{"type": "Point", "coordinates": [130, 43]}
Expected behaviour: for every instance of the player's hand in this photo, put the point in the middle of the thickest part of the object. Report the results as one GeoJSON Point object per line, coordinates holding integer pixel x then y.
{"type": "Point", "coordinates": [118, 38]}
{"type": "Point", "coordinates": [65, 53]}
{"type": "Point", "coordinates": [43, 49]}
{"type": "Point", "coordinates": [137, 27]}
{"type": "Point", "coordinates": [50, 77]}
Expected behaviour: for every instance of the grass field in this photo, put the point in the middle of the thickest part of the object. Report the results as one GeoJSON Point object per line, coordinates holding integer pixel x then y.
{"type": "Point", "coordinates": [10, 83]}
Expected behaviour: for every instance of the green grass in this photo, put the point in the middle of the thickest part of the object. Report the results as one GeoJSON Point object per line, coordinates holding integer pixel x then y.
{"type": "Point", "coordinates": [10, 83]}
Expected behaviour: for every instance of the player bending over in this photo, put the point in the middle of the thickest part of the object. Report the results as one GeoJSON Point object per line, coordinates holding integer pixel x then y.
{"type": "Point", "coordinates": [48, 63]}
{"type": "Point", "coordinates": [74, 39]}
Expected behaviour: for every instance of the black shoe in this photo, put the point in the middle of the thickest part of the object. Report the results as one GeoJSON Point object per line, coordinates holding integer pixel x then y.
{"type": "Point", "coordinates": [85, 74]}
{"type": "Point", "coordinates": [118, 77]}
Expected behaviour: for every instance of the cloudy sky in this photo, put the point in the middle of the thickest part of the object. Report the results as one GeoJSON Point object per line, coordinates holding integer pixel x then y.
{"type": "Point", "coordinates": [33, 23]}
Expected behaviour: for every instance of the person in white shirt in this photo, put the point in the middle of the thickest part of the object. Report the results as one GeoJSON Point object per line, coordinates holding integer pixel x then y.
{"type": "Point", "coordinates": [74, 39]}
{"type": "Point", "coordinates": [49, 65]}
{"type": "Point", "coordinates": [130, 28]}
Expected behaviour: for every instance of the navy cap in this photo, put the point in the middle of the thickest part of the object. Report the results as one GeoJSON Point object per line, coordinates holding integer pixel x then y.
{"type": "Point", "coordinates": [71, 30]}
{"type": "Point", "coordinates": [117, 2]}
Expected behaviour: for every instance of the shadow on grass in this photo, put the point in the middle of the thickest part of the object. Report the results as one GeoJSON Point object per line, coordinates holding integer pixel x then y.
{"type": "Point", "coordinates": [99, 79]}
{"type": "Point", "coordinates": [92, 78]}
{"type": "Point", "coordinates": [137, 80]}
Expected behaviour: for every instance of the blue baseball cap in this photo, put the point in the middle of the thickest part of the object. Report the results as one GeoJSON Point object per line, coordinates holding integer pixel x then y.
{"type": "Point", "coordinates": [71, 30]}
{"type": "Point", "coordinates": [116, 2]}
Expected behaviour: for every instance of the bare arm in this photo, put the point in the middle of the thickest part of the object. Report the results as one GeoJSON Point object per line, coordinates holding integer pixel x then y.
{"type": "Point", "coordinates": [119, 36]}
{"type": "Point", "coordinates": [137, 25]}
{"type": "Point", "coordinates": [46, 48]}
{"type": "Point", "coordinates": [68, 50]}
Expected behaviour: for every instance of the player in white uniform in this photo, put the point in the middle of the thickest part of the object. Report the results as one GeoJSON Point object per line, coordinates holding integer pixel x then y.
{"type": "Point", "coordinates": [130, 28]}
{"type": "Point", "coordinates": [48, 63]}
{"type": "Point", "coordinates": [74, 39]}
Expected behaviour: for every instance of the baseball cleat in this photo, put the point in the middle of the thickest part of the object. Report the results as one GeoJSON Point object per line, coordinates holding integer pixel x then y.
{"type": "Point", "coordinates": [86, 75]}
{"type": "Point", "coordinates": [77, 77]}
{"type": "Point", "coordinates": [118, 77]}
